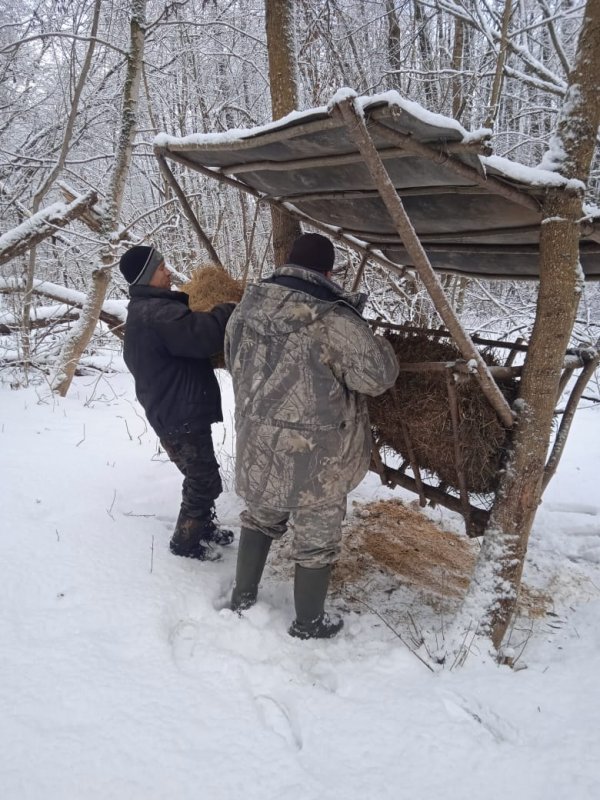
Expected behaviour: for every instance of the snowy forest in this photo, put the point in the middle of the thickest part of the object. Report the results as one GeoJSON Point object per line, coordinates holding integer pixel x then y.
{"type": "Point", "coordinates": [470, 667]}
{"type": "Point", "coordinates": [75, 120]}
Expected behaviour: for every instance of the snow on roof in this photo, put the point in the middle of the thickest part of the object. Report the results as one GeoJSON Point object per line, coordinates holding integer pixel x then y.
{"type": "Point", "coordinates": [475, 214]}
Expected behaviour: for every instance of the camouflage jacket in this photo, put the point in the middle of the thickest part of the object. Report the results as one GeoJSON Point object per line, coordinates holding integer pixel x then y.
{"type": "Point", "coordinates": [300, 366]}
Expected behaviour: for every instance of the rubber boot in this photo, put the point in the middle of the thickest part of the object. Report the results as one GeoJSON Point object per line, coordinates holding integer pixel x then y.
{"type": "Point", "coordinates": [253, 550]}
{"type": "Point", "coordinates": [310, 591]}
{"type": "Point", "coordinates": [187, 540]}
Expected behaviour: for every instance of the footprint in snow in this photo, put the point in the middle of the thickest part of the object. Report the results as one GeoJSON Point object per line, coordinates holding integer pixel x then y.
{"type": "Point", "coordinates": [276, 716]}
{"type": "Point", "coordinates": [183, 638]}
{"type": "Point", "coordinates": [470, 710]}
{"type": "Point", "coordinates": [222, 599]}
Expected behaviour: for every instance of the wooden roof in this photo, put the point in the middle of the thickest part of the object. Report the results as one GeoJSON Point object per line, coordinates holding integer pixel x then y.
{"type": "Point", "coordinates": [474, 215]}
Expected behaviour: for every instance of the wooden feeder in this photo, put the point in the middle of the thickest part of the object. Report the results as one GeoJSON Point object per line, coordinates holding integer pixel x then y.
{"type": "Point", "coordinates": [408, 190]}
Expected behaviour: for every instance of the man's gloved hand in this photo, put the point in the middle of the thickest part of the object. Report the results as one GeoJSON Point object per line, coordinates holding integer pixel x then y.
{"type": "Point", "coordinates": [223, 311]}
{"type": "Point", "coordinates": [225, 307]}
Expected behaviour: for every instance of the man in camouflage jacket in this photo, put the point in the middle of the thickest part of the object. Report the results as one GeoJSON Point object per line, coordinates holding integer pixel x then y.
{"type": "Point", "coordinates": [301, 359]}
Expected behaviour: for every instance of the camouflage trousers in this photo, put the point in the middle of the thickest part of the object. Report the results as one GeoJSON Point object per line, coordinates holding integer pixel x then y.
{"type": "Point", "coordinates": [317, 531]}
{"type": "Point", "coordinates": [194, 456]}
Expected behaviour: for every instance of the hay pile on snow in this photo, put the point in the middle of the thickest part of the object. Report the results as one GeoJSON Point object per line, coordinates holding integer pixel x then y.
{"type": "Point", "coordinates": [390, 545]}
{"type": "Point", "coordinates": [420, 401]}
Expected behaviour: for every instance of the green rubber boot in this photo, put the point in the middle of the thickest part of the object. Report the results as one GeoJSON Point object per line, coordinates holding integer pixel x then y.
{"type": "Point", "coordinates": [252, 556]}
{"type": "Point", "coordinates": [310, 591]}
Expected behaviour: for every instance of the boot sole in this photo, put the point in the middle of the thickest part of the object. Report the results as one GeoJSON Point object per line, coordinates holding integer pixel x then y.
{"type": "Point", "coordinates": [204, 555]}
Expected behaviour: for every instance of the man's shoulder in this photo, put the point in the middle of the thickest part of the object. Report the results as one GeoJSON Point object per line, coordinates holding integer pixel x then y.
{"type": "Point", "coordinates": [343, 321]}
{"type": "Point", "coordinates": [159, 304]}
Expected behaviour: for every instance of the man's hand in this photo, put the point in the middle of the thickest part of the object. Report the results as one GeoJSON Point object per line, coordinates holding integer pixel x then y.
{"type": "Point", "coordinates": [227, 307]}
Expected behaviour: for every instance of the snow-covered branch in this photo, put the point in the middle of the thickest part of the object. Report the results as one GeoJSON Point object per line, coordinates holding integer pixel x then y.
{"type": "Point", "coordinates": [43, 224]}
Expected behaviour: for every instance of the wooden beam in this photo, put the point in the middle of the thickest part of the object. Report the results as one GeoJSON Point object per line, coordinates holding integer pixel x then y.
{"type": "Point", "coordinates": [458, 447]}
{"type": "Point", "coordinates": [314, 162]}
{"type": "Point", "coordinates": [92, 218]}
{"type": "Point", "coordinates": [592, 361]}
{"type": "Point", "coordinates": [478, 516]}
{"type": "Point", "coordinates": [362, 194]}
{"type": "Point", "coordinates": [335, 233]}
{"type": "Point", "coordinates": [357, 129]}
{"type": "Point", "coordinates": [461, 367]}
{"type": "Point", "coordinates": [187, 210]}
{"type": "Point", "coordinates": [445, 159]}
{"type": "Point", "coordinates": [359, 273]}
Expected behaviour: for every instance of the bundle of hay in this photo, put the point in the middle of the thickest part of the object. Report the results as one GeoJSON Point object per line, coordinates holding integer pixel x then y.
{"type": "Point", "coordinates": [420, 401]}
{"type": "Point", "coordinates": [208, 286]}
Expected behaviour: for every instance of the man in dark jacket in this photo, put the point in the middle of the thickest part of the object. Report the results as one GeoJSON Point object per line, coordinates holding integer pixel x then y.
{"type": "Point", "coordinates": [167, 349]}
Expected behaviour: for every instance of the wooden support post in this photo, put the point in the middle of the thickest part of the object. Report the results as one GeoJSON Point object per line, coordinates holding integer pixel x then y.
{"type": "Point", "coordinates": [513, 353]}
{"type": "Point", "coordinates": [568, 370]}
{"type": "Point", "coordinates": [458, 452]}
{"type": "Point", "coordinates": [377, 462]}
{"type": "Point", "coordinates": [479, 516]}
{"type": "Point", "coordinates": [565, 425]}
{"type": "Point", "coordinates": [413, 464]}
{"type": "Point", "coordinates": [357, 130]}
{"type": "Point", "coordinates": [187, 210]}
{"type": "Point", "coordinates": [360, 272]}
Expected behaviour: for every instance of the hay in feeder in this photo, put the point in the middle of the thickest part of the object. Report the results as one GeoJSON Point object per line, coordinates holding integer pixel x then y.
{"type": "Point", "coordinates": [210, 285]}
{"type": "Point", "coordinates": [419, 400]}
{"type": "Point", "coordinates": [207, 287]}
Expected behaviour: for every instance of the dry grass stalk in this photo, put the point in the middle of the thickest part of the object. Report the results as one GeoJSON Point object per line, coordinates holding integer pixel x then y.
{"type": "Point", "coordinates": [420, 400]}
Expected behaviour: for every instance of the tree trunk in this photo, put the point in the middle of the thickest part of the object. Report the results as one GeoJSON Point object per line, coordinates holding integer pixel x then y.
{"type": "Point", "coordinates": [457, 66]}
{"type": "Point", "coordinates": [81, 333]}
{"type": "Point", "coordinates": [494, 103]}
{"type": "Point", "coordinates": [428, 64]}
{"type": "Point", "coordinates": [394, 45]}
{"type": "Point", "coordinates": [492, 595]}
{"type": "Point", "coordinates": [279, 16]}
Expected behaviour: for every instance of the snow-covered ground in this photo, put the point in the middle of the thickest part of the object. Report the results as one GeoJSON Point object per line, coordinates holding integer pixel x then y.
{"type": "Point", "coordinates": [123, 675]}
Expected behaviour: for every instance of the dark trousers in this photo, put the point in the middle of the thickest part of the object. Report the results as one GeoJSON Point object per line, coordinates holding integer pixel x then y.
{"type": "Point", "coordinates": [194, 456]}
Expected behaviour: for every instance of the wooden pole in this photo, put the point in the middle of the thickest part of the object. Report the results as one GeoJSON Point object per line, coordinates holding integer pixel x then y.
{"type": "Point", "coordinates": [458, 451]}
{"type": "Point", "coordinates": [493, 185]}
{"type": "Point", "coordinates": [478, 516]}
{"type": "Point", "coordinates": [187, 210]}
{"type": "Point", "coordinates": [357, 129]}
{"type": "Point", "coordinates": [565, 425]}
{"type": "Point", "coordinates": [360, 272]}
{"type": "Point", "coordinates": [413, 464]}
{"type": "Point", "coordinates": [335, 233]}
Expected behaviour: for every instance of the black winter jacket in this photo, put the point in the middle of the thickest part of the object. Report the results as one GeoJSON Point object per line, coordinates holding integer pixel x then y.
{"type": "Point", "coordinates": [167, 349]}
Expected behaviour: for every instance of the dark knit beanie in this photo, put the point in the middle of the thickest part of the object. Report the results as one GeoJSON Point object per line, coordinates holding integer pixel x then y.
{"type": "Point", "coordinates": [313, 251]}
{"type": "Point", "coordinates": [139, 264]}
